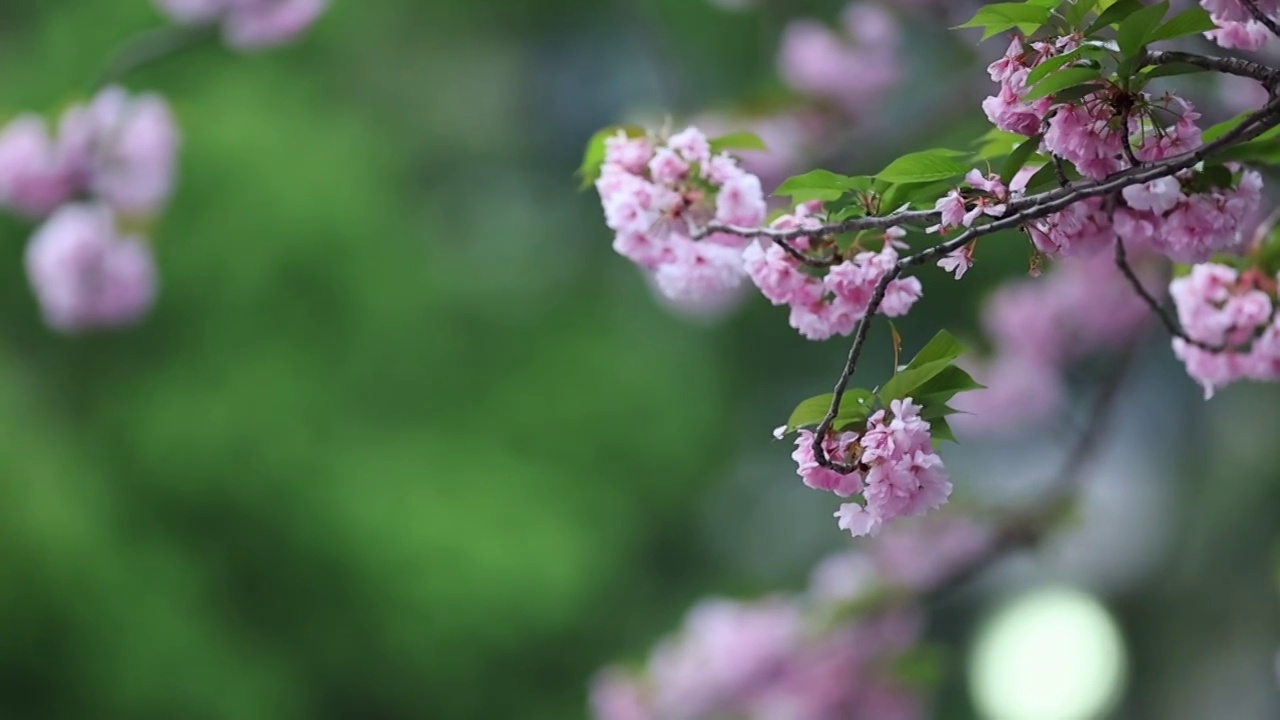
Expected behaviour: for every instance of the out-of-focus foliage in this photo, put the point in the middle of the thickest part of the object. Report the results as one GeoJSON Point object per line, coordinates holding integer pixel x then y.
{"type": "Point", "coordinates": [394, 441]}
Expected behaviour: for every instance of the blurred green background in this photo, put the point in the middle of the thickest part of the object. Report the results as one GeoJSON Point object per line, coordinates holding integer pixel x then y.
{"type": "Point", "coordinates": [403, 437]}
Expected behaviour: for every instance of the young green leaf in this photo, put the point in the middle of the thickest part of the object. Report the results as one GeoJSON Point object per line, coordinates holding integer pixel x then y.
{"type": "Point", "coordinates": [941, 430]}
{"type": "Point", "coordinates": [1171, 70]}
{"type": "Point", "coordinates": [855, 406]}
{"type": "Point", "coordinates": [1018, 158]}
{"type": "Point", "coordinates": [1117, 12]}
{"type": "Point", "coordinates": [944, 386]}
{"type": "Point", "coordinates": [814, 185]}
{"type": "Point", "coordinates": [925, 166]}
{"type": "Point", "coordinates": [594, 156]}
{"type": "Point", "coordinates": [1191, 21]}
{"type": "Point", "coordinates": [905, 383]}
{"type": "Point", "coordinates": [738, 141]}
{"type": "Point", "coordinates": [1062, 80]}
{"type": "Point", "coordinates": [943, 346]}
{"type": "Point", "coordinates": [1133, 32]}
{"type": "Point", "coordinates": [997, 18]}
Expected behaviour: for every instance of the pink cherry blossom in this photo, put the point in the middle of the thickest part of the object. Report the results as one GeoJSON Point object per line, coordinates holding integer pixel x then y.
{"type": "Point", "coordinates": [36, 175]}
{"type": "Point", "coordinates": [248, 24]}
{"type": "Point", "coordinates": [87, 275]}
{"type": "Point", "coordinates": [820, 478]}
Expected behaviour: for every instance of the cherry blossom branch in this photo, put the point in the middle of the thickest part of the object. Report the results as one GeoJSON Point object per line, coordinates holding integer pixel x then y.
{"type": "Point", "coordinates": [1268, 76]}
{"type": "Point", "coordinates": [1026, 529]}
{"type": "Point", "coordinates": [1260, 16]}
{"type": "Point", "coordinates": [1122, 262]}
{"type": "Point", "coordinates": [1019, 213]}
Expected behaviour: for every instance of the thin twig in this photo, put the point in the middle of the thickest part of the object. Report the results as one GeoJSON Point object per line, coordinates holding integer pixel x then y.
{"type": "Point", "coordinates": [1260, 16]}
{"type": "Point", "coordinates": [1026, 528]}
{"type": "Point", "coordinates": [1122, 262]}
{"type": "Point", "coordinates": [151, 47]}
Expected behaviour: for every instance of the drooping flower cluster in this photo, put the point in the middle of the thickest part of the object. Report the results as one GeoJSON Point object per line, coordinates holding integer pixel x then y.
{"type": "Point", "coordinates": [830, 304]}
{"type": "Point", "coordinates": [1186, 217]}
{"type": "Point", "coordinates": [1233, 313]}
{"type": "Point", "coordinates": [898, 474]}
{"type": "Point", "coordinates": [781, 656]}
{"type": "Point", "coordinates": [656, 192]}
{"type": "Point", "coordinates": [1237, 27]}
{"type": "Point", "coordinates": [1038, 328]}
{"type": "Point", "coordinates": [110, 165]}
{"type": "Point", "coordinates": [248, 24]}
{"type": "Point", "coordinates": [852, 68]}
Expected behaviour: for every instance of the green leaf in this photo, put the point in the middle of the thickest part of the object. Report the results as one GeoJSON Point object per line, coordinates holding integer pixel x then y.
{"type": "Point", "coordinates": [1171, 70]}
{"type": "Point", "coordinates": [1078, 10]}
{"type": "Point", "coordinates": [905, 383]}
{"type": "Point", "coordinates": [1192, 21]}
{"type": "Point", "coordinates": [1114, 14]}
{"type": "Point", "coordinates": [1133, 32]}
{"type": "Point", "coordinates": [819, 185]}
{"type": "Point", "coordinates": [946, 385]}
{"type": "Point", "coordinates": [855, 406]}
{"type": "Point", "coordinates": [937, 411]}
{"type": "Point", "coordinates": [997, 18]}
{"type": "Point", "coordinates": [941, 430]}
{"type": "Point", "coordinates": [925, 166]}
{"type": "Point", "coordinates": [594, 156]}
{"type": "Point", "coordinates": [1018, 158]}
{"type": "Point", "coordinates": [943, 346]}
{"type": "Point", "coordinates": [997, 144]}
{"type": "Point", "coordinates": [1045, 178]}
{"type": "Point", "coordinates": [1084, 52]}
{"type": "Point", "coordinates": [1212, 177]}
{"type": "Point", "coordinates": [1224, 127]}
{"type": "Point", "coordinates": [1062, 80]}
{"type": "Point", "coordinates": [1076, 92]}
{"type": "Point", "coordinates": [738, 141]}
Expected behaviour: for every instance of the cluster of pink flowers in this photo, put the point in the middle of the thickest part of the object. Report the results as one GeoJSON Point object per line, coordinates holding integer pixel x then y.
{"type": "Point", "coordinates": [898, 473]}
{"type": "Point", "coordinates": [655, 192]}
{"type": "Point", "coordinates": [1038, 328]}
{"type": "Point", "coordinates": [248, 24]}
{"type": "Point", "coordinates": [1170, 215]}
{"type": "Point", "coordinates": [1237, 28]}
{"type": "Point", "coordinates": [832, 304]}
{"type": "Point", "coordinates": [109, 166]}
{"type": "Point", "coordinates": [1234, 313]}
{"type": "Point", "coordinates": [773, 658]}
{"type": "Point", "coordinates": [852, 68]}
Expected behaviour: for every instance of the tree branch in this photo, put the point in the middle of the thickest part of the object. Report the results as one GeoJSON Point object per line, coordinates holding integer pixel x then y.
{"type": "Point", "coordinates": [1260, 16]}
{"type": "Point", "coordinates": [1268, 76]}
{"type": "Point", "coordinates": [1020, 213]}
{"type": "Point", "coordinates": [1156, 306]}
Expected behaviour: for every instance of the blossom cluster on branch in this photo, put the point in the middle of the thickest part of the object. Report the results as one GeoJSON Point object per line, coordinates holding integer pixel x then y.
{"type": "Point", "coordinates": [848, 648]}
{"type": "Point", "coordinates": [1118, 192]}
{"type": "Point", "coordinates": [1096, 166]}
{"type": "Point", "coordinates": [97, 179]}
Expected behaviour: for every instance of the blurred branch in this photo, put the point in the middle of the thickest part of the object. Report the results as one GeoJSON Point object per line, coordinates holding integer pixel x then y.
{"type": "Point", "coordinates": [1027, 529]}
{"type": "Point", "coordinates": [150, 48]}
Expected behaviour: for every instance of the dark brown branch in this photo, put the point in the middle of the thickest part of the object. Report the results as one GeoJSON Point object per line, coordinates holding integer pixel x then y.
{"type": "Point", "coordinates": [1268, 76]}
{"type": "Point", "coordinates": [1019, 213]}
{"type": "Point", "coordinates": [1122, 262]}
{"type": "Point", "coordinates": [1260, 16]}
{"type": "Point", "coordinates": [1026, 529]}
